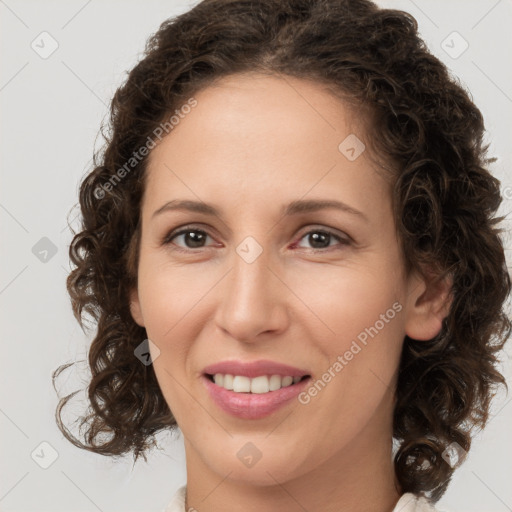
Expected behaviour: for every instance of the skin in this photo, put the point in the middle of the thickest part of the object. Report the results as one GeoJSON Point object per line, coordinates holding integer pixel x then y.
{"type": "Point", "coordinates": [253, 144]}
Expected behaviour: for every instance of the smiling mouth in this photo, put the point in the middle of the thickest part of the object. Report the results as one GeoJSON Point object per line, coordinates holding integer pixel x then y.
{"type": "Point", "coordinates": [256, 385]}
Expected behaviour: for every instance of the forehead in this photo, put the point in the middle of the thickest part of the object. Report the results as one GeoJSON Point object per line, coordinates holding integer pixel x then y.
{"type": "Point", "coordinates": [286, 114]}
{"type": "Point", "coordinates": [276, 93]}
{"type": "Point", "coordinates": [261, 135]}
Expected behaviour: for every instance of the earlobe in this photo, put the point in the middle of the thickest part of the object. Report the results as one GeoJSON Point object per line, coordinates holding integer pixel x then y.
{"type": "Point", "coordinates": [135, 308]}
{"type": "Point", "coordinates": [428, 305]}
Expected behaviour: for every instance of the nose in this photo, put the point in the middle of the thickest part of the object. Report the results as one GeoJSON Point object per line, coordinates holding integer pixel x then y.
{"type": "Point", "coordinates": [252, 301]}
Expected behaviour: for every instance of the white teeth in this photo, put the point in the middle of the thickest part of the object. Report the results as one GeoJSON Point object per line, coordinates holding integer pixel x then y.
{"type": "Point", "coordinates": [241, 384]}
{"type": "Point", "coordinates": [258, 385]}
{"type": "Point", "coordinates": [228, 381]}
{"type": "Point", "coordinates": [275, 382]}
{"type": "Point", "coordinates": [287, 381]}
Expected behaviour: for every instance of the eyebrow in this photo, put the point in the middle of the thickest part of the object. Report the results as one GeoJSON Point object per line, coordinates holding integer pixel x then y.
{"type": "Point", "coordinates": [294, 208]}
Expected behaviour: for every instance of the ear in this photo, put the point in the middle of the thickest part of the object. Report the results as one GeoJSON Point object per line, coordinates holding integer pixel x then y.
{"type": "Point", "coordinates": [428, 304]}
{"type": "Point", "coordinates": [135, 308]}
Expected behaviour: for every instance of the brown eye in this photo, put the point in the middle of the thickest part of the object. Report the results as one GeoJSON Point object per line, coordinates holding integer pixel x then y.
{"type": "Point", "coordinates": [190, 238]}
{"type": "Point", "coordinates": [319, 239]}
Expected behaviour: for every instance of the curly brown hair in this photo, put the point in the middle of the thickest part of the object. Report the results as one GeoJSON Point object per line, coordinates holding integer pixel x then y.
{"type": "Point", "coordinates": [421, 123]}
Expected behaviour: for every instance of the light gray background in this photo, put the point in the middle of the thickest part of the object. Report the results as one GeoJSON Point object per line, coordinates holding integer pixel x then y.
{"type": "Point", "coordinates": [51, 110]}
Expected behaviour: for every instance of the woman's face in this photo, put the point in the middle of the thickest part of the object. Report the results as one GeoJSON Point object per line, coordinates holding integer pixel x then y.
{"type": "Point", "coordinates": [274, 276]}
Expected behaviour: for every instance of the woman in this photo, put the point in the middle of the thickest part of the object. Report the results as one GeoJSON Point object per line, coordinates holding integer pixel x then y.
{"type": "Point", "coordinates": [291, 251]}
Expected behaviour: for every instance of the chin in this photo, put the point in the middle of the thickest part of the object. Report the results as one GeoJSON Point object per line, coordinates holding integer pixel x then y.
{"type": "Point", "coordinates": [257, 462]}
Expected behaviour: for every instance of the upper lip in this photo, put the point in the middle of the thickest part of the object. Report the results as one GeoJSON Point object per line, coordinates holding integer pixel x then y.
{"type": "Point", "coordinates": [253, 369]}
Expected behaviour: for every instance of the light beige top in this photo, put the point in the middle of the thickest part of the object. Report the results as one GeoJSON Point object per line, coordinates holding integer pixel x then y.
{"type": "Point", "coordinates": [407, 503]}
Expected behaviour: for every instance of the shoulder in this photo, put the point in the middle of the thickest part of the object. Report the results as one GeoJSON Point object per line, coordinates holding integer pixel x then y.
{"type": "Point", "coordinates": [177, 504]}
{"type": "Point", "coordinates": [409, 502]}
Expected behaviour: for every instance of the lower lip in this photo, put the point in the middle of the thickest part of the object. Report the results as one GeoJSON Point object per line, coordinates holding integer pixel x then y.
{"type": "Point", "coordinates": [251, 406]}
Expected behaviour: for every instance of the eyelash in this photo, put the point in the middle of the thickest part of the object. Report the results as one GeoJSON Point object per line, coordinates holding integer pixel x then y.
{"type": "Point", "coordinates": [187, 229]}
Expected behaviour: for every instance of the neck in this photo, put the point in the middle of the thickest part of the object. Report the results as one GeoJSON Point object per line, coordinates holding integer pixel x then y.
{"type": "Point", "coordinates": [358, 478]}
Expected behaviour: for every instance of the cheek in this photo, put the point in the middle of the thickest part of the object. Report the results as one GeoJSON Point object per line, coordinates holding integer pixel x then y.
{"type": "Point", "coordinates": [169, 294]}
{"type": "Point", "coordinates": [167, 300]}
{"type": "Point", "coordinates": [362, 308]}
{"type": "Point", "coordinates": [349, 300]}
